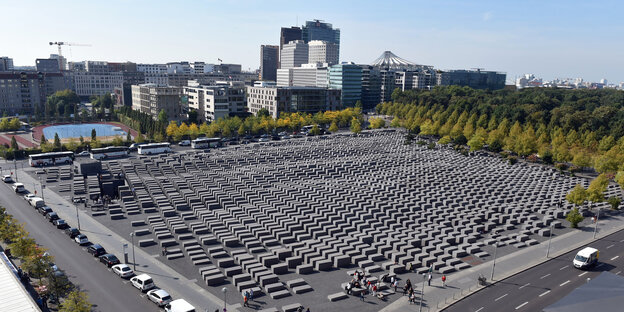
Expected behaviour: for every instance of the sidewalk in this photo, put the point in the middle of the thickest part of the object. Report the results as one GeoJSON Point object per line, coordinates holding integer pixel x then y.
{"type": "Point", "coordinates": [164, 276]}
{"type": "Point", "coordinates": [464, 283]}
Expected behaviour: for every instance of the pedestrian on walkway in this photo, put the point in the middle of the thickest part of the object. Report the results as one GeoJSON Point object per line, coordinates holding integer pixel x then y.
{"type": "Point", "coordinates": [245, 303]}
{"type": "Point", "coordinates": [251, 295]}
{"type": "Point", "coordinates": [410, 267]}
{"type": "Point", "coordinates": [395, 284]}
{"type": "Point", "coordinates": [362, 295]}
{"type": "Point", "coordinates": [429, 279]}
{"type": "Point", "coordinates": [443, 280]}
{"type": "Point", "coordinates": [164, 251]}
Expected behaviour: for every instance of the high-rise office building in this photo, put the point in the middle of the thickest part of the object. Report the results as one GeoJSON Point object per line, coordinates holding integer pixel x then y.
{"type": "Point", "coordinates": [291, 99]}
{"type": "Point", "coordinates": [476, 79]}
{"type": "Point", "coordinates": [6, 63]}
{"type": "Point", "coordinates": [152, 98]}
{"type": "Point", "coordinates": [317, 30]}
{"type": "Point", "coordinates": [371, 87]}
{"type": "Point", "coordinates": [322, 52]}
{"type": "Point", "coordinates": [294, 54]}
{"type": "Point", "coordinates": [348, 79]}
{"type": "Point", "coordinates": [220, 100]}
{"type": "Point", "coordinates": [269, 62]}
{"type": "Point", "coordinates": [47, 65]}
{"type": "Point", "coordinates": [308, 75]}
{"type": "Point", "coordinates": [287, 35]}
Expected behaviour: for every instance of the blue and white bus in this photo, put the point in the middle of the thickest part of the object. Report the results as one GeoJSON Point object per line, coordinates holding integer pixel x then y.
{"type": "Point", "coordinates": [154, 148]}
{"type": "Point", "coordinates": [206, 143]}
{"type": "Point", "coordinates": [52, 158]}
{"type": "Point", "coordinates": [109, 152]}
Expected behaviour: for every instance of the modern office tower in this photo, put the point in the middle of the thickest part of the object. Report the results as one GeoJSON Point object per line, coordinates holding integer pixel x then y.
{"type": "Point", "coordinates": [151, 99]}
{"type": "Point", "coordinates": [396, 72]}
{"type": "Point", "coordinates": [322, 52]}
{"type": "Point", "coordinates": [6, 63]}
{"type": "Point", "coordinates": [317, 30]}
{"type": "Point", "coordinates": [371, 87]}
{"type": "Point", "coordinates": [220, 100]}
{"type": "Point", "coordinates": [476, 79]}
{"type": "Point", "coordinates": [62, 61]}
{"type": "Point", "coordinates": [308, 75]}
{"type": "Point", "coordinates": [47, 65]}
{"type": "Point", "coordinates": [26, 92]}
{"type": "Point", "coordinates": [294, 54]}
{"type": "Point", "coordinates": [287, 35]}
{"type": "Point", "coordinates": [269, 62]}
{"type": "Point", "coordinates": [348, 78]}
{"type": "Point", "coordinates": [291, 99]}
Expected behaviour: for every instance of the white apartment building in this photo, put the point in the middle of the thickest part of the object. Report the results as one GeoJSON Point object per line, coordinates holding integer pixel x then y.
{"type": "Point", "coordinates": [152, 68]}
{"type": "Point", "coordinates": [322, 52]}
{"type": "Point", "coordinates": [308, 75]}
{"type": "Point", "coordinates": [219, 100]}
{"type": "Point", "coordinates": [88, 83]}
{"type": "Point", "coordinates": [291, 99]}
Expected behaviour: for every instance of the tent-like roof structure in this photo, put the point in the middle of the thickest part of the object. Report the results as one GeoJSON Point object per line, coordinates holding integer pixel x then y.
{"type": "Point", "coordinates": [392, 61]}
{"type": "Point", "coordinates": [605, 293]}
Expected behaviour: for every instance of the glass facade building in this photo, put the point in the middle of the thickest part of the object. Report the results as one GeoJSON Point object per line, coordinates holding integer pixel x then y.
{"type": "Point", "coordinates": [348, 79]}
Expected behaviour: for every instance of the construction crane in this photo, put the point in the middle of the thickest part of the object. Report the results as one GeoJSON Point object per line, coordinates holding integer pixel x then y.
{"type": "Point", "coordinates": [61, 43]}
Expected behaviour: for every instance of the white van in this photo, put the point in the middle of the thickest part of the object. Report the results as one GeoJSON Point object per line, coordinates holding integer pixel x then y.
{"type": "Point", "coordinates": [585, 258]}
{"type": "Point", "coordinates": [179, 305]}
{"type": "Point", "coordinates": [143, 282]}
{"type": "Point", "coordinates": [19, 188]}
{"type": "Point", "coordinates": [36, 202]}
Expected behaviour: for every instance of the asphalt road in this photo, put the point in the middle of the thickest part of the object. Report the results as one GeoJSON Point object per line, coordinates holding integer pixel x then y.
{"type": "Point", "coordinates": [545, 284]}
{"type": "Point", "coordinates": [106, 290]}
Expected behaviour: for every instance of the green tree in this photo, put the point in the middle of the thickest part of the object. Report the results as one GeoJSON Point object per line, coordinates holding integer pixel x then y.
{"type": "Point", "coordinates": [333, 127]}
{"type": "Point", "coordinates": [226, 132]}
{"type": "Point", "coordinates": [577, 196]}
{"type": "Point", "coordinates": [614, 201]}
{"type": "Point", "coordinates": [76, 301]}
{"type": "Point", "coordinates": [597, 187]}
{"type": "Point", "coordinates": [356, 126]}
{"type": "Point", "coordinates": [162, 116]}
{"type": "Point", "coordinates": [241, 130]}
{"type": "Point", "coordinates": [14, 145]}
{"type": "Point", "coordinates": [263, 112]}
{"type": "Point", "coordinates": [193, 131]}
{"type": "Point", "coordinates": [128, 137]}
{"type": "Point", "coordinates": [93, 135]}
{"type": "Point", "coordinates": [172, 129]}
{"type": "Point", "coordinates": [574, 217]}
{"type": "Point", "coordinates": [57, 142]}
{"type": "Point", "coordinates": [619, 178]}
{"type": "Point", "coordinates": [24, 246]}
{"type": "Point", "coordinates": [38, 264]}
{"type": "Point", "coordinates": [376, 123]}
{"type": "Point", "coordinates": [581, 159]}
{"type": "Point", "coordinates": [43, 139]}
{"type": "Point", "coordinates": [59, 284]}
{"type": "Point", "coordinates": [315, 130]}
{"type": "Point", "coordinates": [15, 124]}
{"type": "Point", "coordinates": [4, 124]}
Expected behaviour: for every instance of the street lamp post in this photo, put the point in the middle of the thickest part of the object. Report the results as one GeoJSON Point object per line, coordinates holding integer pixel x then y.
{"type": "Point", "coordinates": [494, 262]}
{"type": "Point", "coordinates": [42, 187]}
{"type": "Point", "coordinates": [224, 290]}
{"type": "Point", "coordinates": [549, 239]}
{"type": "Point", "coordinates": [596, 226]}
{"type": "Point", "coordinates": [422, 293]}
{"type": "Point", "coordinates": [133, 258]}
{"type": "Point", "coordinates": [15, 164]}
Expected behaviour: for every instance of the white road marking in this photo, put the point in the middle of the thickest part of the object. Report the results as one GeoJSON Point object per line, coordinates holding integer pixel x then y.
{"type": "Point", "coordinates": [481, 308]}
{"type": "Point", "coordinates": [610, 246]}
{"type": "Point", "coordinates": [618, 272]}
{"type": "Point", "coordinates": [564, 267]}
{"type": "Point", "coordinates": [614, 258]}
{"type": "Point", "coordinates": [582, 274]}
{"type": "Point", "coordinates": [525, 285]}
{"type": "Point", "coordinates": [501, 297]}
{"type": "Point", "coordinates": [564, 283]}
{"type": "Point", "coordinates": [544, 293]}
{"type": "Point", "coordinates": [522, 305]}
{"type": "Point", "coordinates": [545, 276]}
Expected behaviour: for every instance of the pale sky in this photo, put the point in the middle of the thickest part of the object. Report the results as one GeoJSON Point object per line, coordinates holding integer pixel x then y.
{"type": "Point", "coordinates": [550, 38]}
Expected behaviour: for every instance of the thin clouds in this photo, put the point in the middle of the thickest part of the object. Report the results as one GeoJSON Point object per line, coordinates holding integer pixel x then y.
{"type": "Point", "coordinates": [487, 16]}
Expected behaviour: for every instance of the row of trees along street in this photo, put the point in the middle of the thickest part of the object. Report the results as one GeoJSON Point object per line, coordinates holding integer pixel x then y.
{"type": "Point", "coordinates": [37, 262]}
{"type": "Point", "coordinates": [577, 130]}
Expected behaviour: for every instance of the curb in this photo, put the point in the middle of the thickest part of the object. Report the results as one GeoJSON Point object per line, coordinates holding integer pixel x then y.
{"type": "Point", "coordinates": [554, 255]}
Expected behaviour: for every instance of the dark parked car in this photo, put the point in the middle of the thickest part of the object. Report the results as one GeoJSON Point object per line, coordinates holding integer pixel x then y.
{"type": "Point", "coordinates": [109, 260]}
{"type": "Point", "coordinates": [45, 210]}
{"type": "Point", "coordinates": [96, 250]}
{"type": "Point", "coordinates": [51, 216]}
{"type": "Point", "coordinates": [72, 232]}
{"type": "Point", "coordinates": [60, 224]}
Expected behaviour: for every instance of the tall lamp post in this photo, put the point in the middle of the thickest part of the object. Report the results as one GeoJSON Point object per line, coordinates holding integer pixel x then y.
{"type": "Point", "coordinates": [549, 239]}
{"type": "Point", "coordinates": [133, 258]}
{"type": "Point", "coordinates": [422, 293]}
{"type": "Point", "coordinates": [42, 187]}
{"type": "Point", "coordinates": [495, 251]}
{"type": "Point", "coordinates": [596, 226]}
{"type": "Point", "coordinates": [224, 290]}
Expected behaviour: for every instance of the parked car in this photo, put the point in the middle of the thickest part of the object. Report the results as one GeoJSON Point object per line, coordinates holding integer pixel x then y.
{"type": "Point", "coordinates": [83, 153]}
{"type": "Point", "coordinates": [264, 140]}
{"type": "Point", "coordinates": [123, 270]}
{"type": "Point", "coordinates": [81, 239]}
{"type": "Point", "coordinates": [7, 178]}
{"type": "Point", "coordinates": [185, 143]}
{"type": "Point", "coordinates": [109, 260]}
{"type": "Point", "coordinates": [52, 216]}
{"type": "Point", "coordinates": [143, 282]}
{"type": "Point", "coordinates": [159, 297]}
{"type": "Point", "coordinates": [44, 210]}
{"type": "Point", "coordinates": [28, 196]}
{"type": "Point", "coordinates": [96, 250]}
{"type": "Point", "coordinates": [179, 305]}
{"type": "Point", "coordinates": [19, 188]}
{"type": "Point", "coordinates": [60, 224]}
{"type": "Point", "coordinates": [72, 232]}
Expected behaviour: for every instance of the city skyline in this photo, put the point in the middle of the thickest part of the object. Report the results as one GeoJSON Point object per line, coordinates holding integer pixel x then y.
{"type": "Point", "coordinates": [532, 37]}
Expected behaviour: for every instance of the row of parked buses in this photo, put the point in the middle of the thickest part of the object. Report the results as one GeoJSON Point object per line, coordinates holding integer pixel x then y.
{"type": "Point", "coordinates": [57, 158]}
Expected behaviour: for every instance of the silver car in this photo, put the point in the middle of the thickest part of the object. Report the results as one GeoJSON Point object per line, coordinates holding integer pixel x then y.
{"type": "Point", "coordinates": [159, 297]}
